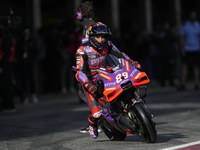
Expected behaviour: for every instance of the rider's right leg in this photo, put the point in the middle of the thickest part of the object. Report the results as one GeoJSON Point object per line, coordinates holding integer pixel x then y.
{"type": "Point", "coordinates": [93, 128]}
{"type": "Point", "coordinates": [94, 116]}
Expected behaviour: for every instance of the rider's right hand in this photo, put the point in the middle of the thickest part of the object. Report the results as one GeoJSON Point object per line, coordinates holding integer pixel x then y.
{"type": "Point", "coordinates": [91, 87]}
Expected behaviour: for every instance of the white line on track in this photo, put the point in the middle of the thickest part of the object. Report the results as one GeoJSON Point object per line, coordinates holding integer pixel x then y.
{"type": "Point", "coordinates": [182, 146]}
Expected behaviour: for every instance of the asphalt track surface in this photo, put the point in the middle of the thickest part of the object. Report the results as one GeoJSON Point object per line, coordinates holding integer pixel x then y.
{"type": "Point", "coordinates": [54, 123]}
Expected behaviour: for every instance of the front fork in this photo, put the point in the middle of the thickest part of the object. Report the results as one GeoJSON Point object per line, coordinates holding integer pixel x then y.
{"type": "Point", "coordinates": [136, 95]}
{"type": "Point", "coordinates": [140, 99]}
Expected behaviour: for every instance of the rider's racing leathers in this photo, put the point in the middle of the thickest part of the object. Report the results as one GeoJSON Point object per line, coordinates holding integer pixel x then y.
{"type": "Point", "coordinates": [88, 61]}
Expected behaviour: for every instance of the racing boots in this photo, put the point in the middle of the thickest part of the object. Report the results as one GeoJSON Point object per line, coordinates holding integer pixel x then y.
{"type": "Point", "coordinates": [93, 125]}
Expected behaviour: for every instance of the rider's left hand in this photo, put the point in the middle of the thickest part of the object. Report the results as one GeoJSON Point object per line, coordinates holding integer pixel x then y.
{"type": "Point", "coordinates": [135, 64]}
{"type": "Point", "coordinates": [109, 69]}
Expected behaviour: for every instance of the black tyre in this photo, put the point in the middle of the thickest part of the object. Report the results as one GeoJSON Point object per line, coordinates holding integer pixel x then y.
{"type": "Point", "coordinates": [113, 134]}
{"type": "Point", "coordinates": [145, 127]}
{"type": "Point", "coordinates": [118, 136]}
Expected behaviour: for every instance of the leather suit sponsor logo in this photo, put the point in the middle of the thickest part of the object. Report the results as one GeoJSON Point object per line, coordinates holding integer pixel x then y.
{"type": "Point", "coordinates": [85, 40]}
{"type": "Point", "coordinates": [92, 56]}
{"type": "Point", "coordinates": [80, 52]}
{"type": "Point", "coordinates": [96, 61]}
{"type": "Point", "coordinates": [87, 49]}
{"type": "Point", "coordinates": [82, 78]}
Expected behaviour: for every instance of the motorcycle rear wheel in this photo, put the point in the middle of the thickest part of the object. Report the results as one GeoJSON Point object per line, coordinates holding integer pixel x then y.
{"type": "Point", "coordinates": [113, 134]}
{"type": "Point", "coordinates": [145, 126]}
{"type": "Point", "coordinates": [118, 136]}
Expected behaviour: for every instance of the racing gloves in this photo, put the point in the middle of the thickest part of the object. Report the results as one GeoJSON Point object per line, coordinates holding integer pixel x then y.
{"type": "Point", "coordinates": [134, 64]}
{"type": "Point", "coordinates": [91, 87]}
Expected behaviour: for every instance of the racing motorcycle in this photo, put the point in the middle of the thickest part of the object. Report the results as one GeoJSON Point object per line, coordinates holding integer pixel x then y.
{"type": "Point", "coordinates": [123, 108]}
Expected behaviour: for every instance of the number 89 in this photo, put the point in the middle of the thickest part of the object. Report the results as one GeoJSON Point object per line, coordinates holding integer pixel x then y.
{"type": "Point", "coordinates": [120, 75]}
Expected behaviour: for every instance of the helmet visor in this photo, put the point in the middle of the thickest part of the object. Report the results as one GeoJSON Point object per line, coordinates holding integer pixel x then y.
{"type": "Point", "coordinates": [101, 30]}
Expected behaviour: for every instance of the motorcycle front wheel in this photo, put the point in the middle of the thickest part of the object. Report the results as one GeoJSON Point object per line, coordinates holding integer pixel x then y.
{"type": "Point", "coordinates": [144, 125]}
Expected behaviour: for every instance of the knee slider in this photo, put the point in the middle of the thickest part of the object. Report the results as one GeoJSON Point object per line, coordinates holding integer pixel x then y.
{"type": "Point", "coordinates": [96, 113]}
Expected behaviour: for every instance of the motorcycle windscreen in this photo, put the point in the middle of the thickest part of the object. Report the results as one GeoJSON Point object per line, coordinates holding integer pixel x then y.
{"type": "Point", "coordinates": [111, 61]}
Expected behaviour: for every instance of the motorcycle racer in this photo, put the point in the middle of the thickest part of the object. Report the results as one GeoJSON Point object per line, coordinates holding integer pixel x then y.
{"type": "Point", "coordinates": [84, 14]}
{"type": "Point", "coordinates": [90, 56]}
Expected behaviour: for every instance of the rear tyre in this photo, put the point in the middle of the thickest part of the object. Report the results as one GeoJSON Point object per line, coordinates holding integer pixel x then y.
{"type": "Point", "coordinates": [145, 127]}
{"type": "Point", "coordinates": [118, 136]}
{"type": "Point", "coordinates": [112, 133]}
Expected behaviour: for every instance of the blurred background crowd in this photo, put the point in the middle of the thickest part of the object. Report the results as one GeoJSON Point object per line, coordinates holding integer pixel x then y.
{"type": "Point", "coordinates": [45, 35]}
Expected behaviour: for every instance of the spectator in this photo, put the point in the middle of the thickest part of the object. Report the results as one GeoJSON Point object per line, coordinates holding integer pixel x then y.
{"type": "Point", "coordinates": [190, 52]}
{"type": "Point", "coordinates": [6, 85]}
{"type": "Point", "coordinates": [153, 55]}
{"type": "Point", "coordinates": [67, 52]}
{"type": "Point", "coordinates": [167, 54]}
{"type": "Point", "coordinates": [26, 57]}
{"type": "Point", "coordinates": [40, 61]}
{"type": "Point", "coordinates": [118, 41]}
{"type": "Point", "coordinates": [130, 36]}
{"type": "Point", "coordinates": [52, 62]}
{"type": "Point", "coordinates": [141, 53]}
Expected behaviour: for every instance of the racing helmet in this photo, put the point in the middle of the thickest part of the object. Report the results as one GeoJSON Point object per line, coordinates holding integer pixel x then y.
{"type": "Point", "coordinates": [98, 29]}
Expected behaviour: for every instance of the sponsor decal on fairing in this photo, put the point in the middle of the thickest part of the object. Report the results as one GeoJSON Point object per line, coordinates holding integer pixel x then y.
{"type": "Point", "coordinates": [137, 75]}
{"type": "Point", "coordinates": [115, 68]}
{"type": "Point", "coordinates": [103, 71]}
{"type": "Point", "coordinates": [117, 71]}
{"type": "Point", "coordinates": [110, 84]}
{"type": "Point", "coordinates": [123, 63]}
{"type": "Point", "coordinates": [124, 81]}
{"type": "Point", "coordinates": [133, 72]}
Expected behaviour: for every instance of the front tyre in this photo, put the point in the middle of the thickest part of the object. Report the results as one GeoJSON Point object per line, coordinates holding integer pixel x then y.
{"type": "Point", "coordinates": [145, 127]}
